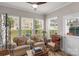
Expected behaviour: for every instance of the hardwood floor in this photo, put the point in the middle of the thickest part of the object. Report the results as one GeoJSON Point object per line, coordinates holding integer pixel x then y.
{"type": "Point", "coordinates": [58, 53]}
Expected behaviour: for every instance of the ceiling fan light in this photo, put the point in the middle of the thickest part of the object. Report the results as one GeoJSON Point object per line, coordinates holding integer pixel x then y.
{"type": "Point", "coordinates": [35, 6]}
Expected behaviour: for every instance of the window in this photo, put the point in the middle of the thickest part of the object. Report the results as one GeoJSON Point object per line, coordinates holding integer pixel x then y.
{"type": "Point", "coordinates": [72, 26]}
{"type": "Point", "coordinates": [14, 20]}
{"type": "Point", "coordinates": [2, 30]}
{"type": "Point", "coordinates": [52, 26]}
{"type": "Point", "coordinates": [38, 27]}
{"type": "Point", "coordinates": [26, 26]}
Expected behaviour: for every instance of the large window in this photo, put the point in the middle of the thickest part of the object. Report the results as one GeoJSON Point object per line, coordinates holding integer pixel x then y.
{"type": "Point", "coordinates": [13, 23]}
{"type": "Point", "coordinates": [52, 26]}
{"type": "Point", "coordinates": [26, 26]}
{"type": "Point", "coordinates": [38, 27]}
{"type": "Point", "coordinates": [72, 25]}
{"type": "Point", "coordinates": [2, 30]}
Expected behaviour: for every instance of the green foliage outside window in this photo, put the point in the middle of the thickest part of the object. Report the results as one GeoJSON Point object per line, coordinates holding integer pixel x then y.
{"type": "Point", "coordinates": [38, 28]}
{"type": "Point", "coordinates": [10, 21]}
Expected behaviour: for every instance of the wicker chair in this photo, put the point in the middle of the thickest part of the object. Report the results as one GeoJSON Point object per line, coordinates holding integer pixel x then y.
{"type": "Point", "coordinates": [21, 48]}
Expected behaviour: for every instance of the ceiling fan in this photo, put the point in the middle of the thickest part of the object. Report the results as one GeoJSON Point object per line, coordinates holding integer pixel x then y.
{"type": "Point", "coordinates": [38, 3]}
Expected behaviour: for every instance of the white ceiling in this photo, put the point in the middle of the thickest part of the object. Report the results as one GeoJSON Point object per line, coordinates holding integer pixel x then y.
{"type": "Point", "coordinates": [42, 9]}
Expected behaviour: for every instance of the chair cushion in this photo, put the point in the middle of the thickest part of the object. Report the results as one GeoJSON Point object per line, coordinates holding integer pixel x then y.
{"type": "Point", "coordinates": [20, 40]}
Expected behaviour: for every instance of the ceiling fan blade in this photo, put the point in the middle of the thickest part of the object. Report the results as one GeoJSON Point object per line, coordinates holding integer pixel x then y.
{"type": "Point", "coordinates": [38, 3]}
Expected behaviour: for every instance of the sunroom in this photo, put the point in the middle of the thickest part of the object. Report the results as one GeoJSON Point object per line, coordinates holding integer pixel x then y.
{"type": "Point", "coordinates": [39, 28]}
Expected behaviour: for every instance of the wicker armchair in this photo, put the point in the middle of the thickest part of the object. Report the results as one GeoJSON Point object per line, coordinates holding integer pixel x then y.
{"type": "Point", "coordinates": [21, 48]}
